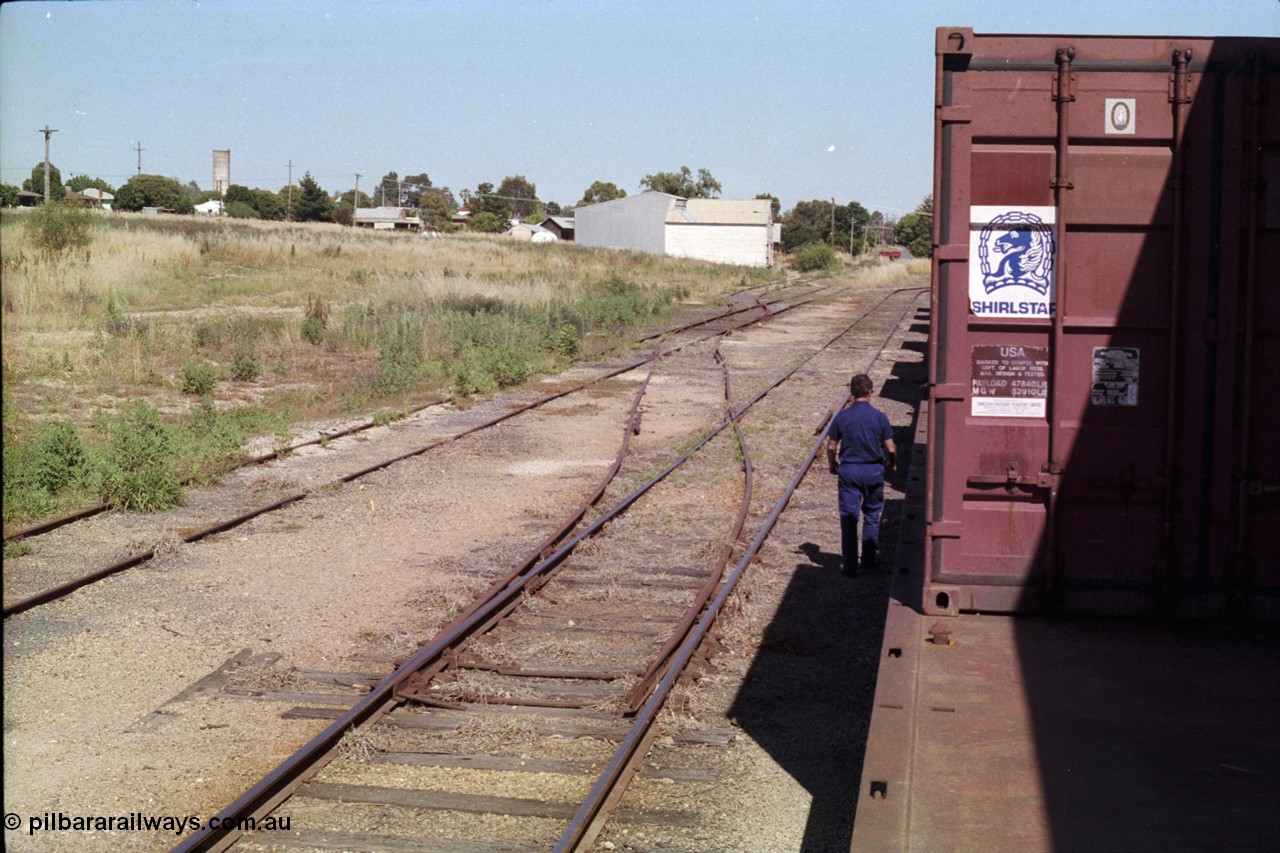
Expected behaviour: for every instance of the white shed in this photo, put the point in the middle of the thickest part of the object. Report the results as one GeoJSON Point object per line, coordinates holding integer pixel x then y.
{"type": "Point", "coordinates": [709, 229]}
{"type": "Point", "coordinates": [532, 233]}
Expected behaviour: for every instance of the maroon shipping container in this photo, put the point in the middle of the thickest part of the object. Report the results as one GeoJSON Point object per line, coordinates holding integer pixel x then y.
{"type": "Point", "coordinates": [1106, 308]}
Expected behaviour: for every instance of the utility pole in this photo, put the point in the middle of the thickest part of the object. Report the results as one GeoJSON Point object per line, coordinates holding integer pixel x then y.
{"type": "Point", "coordinates": [288, 207]}
{"type": "Point", "coordinates": [46, 130]}
{"type": "Point", "coordinates": [833, 222]}
{"type": "Point", "coordinates": [139, 149]}
{"type": "Point", "coordinates": [355, 201]}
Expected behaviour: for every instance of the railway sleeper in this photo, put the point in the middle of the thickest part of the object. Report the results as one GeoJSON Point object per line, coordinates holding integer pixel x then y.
{"type": "Point", "coordinates": [406, 798]}
{"type": "Point", "coordinates": [526, 764]}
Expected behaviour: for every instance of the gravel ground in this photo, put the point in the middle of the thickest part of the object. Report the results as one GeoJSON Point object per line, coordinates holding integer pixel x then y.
{"type": "Point", "coordinates": [99, 713]}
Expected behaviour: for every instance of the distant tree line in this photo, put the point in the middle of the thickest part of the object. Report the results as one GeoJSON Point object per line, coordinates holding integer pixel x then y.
{"type": "Point", "coordinates": [846, 227]}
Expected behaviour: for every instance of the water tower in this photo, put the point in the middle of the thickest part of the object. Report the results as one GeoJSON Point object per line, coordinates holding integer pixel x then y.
{"type": "Point", "coordinates": [221, 171]}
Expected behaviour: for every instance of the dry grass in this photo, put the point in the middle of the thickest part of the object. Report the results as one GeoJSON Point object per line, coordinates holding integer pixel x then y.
{"type": "Point", "coordinates": [395, 643]}
{"type": "Point", "coordinates": [471, 686]}
{"type": "Point", "coordinates": [363, 743]}
{"type": "Point", "coordinates": [487, 733]}
{"type": "Point", "coordinates": [89, 331]}
{"type": "Point", "coordinates": [441, 597]}
{"type": "Point", "coordinates": [268, 678]}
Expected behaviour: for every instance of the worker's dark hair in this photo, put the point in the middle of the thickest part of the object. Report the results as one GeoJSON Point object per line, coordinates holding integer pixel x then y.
{"type": "Point", "coordinates": [861, 385]}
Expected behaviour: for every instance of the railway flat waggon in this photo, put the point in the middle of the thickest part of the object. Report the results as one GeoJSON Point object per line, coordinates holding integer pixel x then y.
{"type": "Point", "coordinates": [1098, 442]}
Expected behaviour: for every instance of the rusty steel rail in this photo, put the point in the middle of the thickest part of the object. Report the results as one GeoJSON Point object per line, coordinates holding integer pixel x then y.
{"type": "Point", "coordinates": [88, 512]}
{"type": "Point", "coordinates": [640, 690]}
{"type": "Point", "coordinates": [595, 811]}
{"type": "Point", "coordinates": [714, 576]}
{"type": "Point", "coordinates": [279, 784]}
{"type": "Point", "coordinates": [64, 589]}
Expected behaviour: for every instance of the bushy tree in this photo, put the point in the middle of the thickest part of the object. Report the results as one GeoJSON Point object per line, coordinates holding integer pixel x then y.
{"type": "Point", "coordinates": [153, 191]}
{"type": "Point", "coordinates": [518, 187]}
{"type": "Point", "coordinates": [241, 210]}
{"type": "Point", "coordinates": [551, 208]}
{"type": "Point", "coordinates": [444, 194]}
{"type": "Point", "coordinates": [851, 230]}
{"type": "Point", "coordinates": [35, 184]}
{"type": "Point", "coordinates": [240, 193]}
{"type": "Point", "coordinates": [412, 188]}
{"type": "Point", "coordinates": [601, 191]}
{"type": "Point", "coordinates": [80, 183]}
{"type": "Point", "coordinates": [311, 203]}
{"type": "Point", "coordinates": [386, 193]}
{"type": "Point", "coordinates": [915, 230]}
{"type": "Point", "coordinates": [268, 204]}
{"type": "Point", "coordinates": [682, 183]}
{"type": "Point", "coordinates": [434, 210]}
{"type": "Point", "coordinates": [487, 223]}
{"type": "Point", "coordinates": [807, 222]}
{"type": "Point", "coordinates": [811, 222]}
{"type": "Point", "coordinates": [8, 195]}
{"type": "Point", "coordinates": [486, 200]}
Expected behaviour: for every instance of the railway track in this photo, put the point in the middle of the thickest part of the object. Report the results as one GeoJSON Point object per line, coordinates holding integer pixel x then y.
{"type": "Point", "coordinates": [193, 526]}
{"type": "Point", "coordinates": [522, 722]}
{"type": "Point", "coordinates": [742, 302]}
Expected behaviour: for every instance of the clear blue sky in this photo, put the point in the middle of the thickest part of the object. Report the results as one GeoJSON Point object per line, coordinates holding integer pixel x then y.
{"type": "Point", "coordinates": [799, 98]}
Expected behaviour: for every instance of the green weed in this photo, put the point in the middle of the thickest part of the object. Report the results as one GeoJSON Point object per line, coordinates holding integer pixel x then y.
{"type": "Point", "coordinates": [139, 472]}
{"type": "Point", "coordinates": [198, 378]}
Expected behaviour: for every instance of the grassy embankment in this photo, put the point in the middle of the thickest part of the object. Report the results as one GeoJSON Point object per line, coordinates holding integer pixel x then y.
{"type": "Point", "coordinates": [140, 353]}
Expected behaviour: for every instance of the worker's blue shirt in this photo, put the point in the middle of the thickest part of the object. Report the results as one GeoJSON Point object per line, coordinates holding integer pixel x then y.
{"type": "Point", "coordinates": [861, 431]}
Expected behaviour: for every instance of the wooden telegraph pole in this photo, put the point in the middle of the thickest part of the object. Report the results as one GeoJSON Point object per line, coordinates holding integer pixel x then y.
{"type": "Point", "coordinates": [46, 130]}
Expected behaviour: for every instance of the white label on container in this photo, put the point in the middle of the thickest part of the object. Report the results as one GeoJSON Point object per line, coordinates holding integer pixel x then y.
{"type": "Point", "coordinates": [1012, 256]}
{"type": "Point", "coordinates": [1009, 381]}
{"type": "Point", "coordinates": [1115, 376]}
{"type": "Point", "coordinates": [1121, 116]}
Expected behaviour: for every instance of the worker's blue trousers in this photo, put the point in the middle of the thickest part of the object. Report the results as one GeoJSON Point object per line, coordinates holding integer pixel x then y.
{"type": "Point", "coordinates": [861, 493]}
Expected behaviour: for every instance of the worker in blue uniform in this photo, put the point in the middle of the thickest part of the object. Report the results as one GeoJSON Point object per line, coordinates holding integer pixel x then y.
{"type": "Point", "coordinates": [860, 451]}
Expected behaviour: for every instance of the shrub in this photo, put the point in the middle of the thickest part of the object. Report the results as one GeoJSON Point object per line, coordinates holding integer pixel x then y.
{"type": "Point", "coordinates": [57, 228]}
{"type": "Point", "coordinates": [316, 320]}
{"type": "Point", "coordinates": [566, 341]}
{"type": "Point", "coordinates": [118, 324]}
{"type": "Point", "coordinates": [815, 256]}
{"type": "Point", "coordinates": [400, 353]}
{"type": "Point", "coordinates": [139, 471]}
{"type": "Point", "coordinates": [208, 442]}
{"type": "Point", "coordinates": [59, 458]}
{"type": "Point", "coordinates": [198, 378]}
{"type": "Point", "coordinates": [245, 367]}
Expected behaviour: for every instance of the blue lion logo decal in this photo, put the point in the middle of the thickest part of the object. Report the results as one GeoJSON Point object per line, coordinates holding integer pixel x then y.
{"type": "Point", "coordinates": [1023, 252]}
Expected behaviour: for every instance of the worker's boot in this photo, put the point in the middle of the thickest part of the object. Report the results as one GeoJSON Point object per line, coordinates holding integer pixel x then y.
{"type": "Point", "coordinates": [868, 556]}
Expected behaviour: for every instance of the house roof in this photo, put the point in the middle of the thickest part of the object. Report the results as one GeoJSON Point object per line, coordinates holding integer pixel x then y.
{"type": "Point", "coordinates": [562, 221]}
{"type": "Point", "coordinates": [383, 214]}
{"type": "Point", "coordinates": [717, 211]}
{"type": "Point", "coordinates": [703, 211]}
